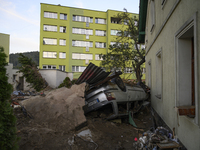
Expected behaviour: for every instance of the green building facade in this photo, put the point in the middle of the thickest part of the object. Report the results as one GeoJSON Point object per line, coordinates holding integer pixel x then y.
{"type": "Point", "coordinates": [5, 43]}
{"type": "Point", "coordinates": [71, 38]}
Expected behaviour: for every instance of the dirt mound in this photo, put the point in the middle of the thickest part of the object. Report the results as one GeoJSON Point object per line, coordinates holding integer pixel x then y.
{"type": "Point", "coordinates": [60, 109]}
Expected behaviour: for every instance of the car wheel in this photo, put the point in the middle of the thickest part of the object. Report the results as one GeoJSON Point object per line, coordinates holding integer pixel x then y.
{"type": "Point", "coordinates": [120, 84]}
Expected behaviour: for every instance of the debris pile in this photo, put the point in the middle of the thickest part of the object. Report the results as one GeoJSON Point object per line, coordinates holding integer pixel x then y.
{"type": "Point", "coordinates": [161, 138]}
{"type": "Point", "coordinates": [60, 109]}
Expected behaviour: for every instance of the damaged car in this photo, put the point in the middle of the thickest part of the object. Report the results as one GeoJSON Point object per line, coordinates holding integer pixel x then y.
{"type": "Point", "coordinates": [104, 89]}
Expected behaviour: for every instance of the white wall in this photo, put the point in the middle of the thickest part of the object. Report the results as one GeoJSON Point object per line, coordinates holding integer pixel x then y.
{"type": "Point", "coordinates": [55, 77]}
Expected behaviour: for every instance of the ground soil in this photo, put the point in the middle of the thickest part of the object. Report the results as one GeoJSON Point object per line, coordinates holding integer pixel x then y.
{"type": "Point", "coordinates": [113, 135]}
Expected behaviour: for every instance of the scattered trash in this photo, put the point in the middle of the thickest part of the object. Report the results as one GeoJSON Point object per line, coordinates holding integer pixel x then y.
{"type": "Point", "coordinates": [160, 138]}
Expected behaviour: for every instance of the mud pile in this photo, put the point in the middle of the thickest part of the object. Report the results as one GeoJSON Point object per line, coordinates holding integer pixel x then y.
{"type": "Point", "coordinates": [60, 109]}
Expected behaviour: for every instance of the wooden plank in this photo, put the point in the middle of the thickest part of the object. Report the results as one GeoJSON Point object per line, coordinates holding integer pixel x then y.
{"type": "Point", "coordinates": [186, 111]}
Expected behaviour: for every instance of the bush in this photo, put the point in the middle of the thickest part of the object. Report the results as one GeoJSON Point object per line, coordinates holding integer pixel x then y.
{"type": "Point", "coordinates": [8, 136]}
{"type": "Point", "coordinates": [66, 83]}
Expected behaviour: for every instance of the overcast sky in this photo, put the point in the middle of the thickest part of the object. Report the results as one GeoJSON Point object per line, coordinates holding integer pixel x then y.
{"type": "Point", "coordinates": [21, 18]}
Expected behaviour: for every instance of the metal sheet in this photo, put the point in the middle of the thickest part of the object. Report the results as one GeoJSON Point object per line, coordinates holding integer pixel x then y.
{"type": "Point", "coordinates": [92, 74]}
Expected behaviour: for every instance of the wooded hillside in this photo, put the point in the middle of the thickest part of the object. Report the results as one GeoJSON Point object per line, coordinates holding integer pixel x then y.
{"type": "Point", "coordinates": [13, 58]}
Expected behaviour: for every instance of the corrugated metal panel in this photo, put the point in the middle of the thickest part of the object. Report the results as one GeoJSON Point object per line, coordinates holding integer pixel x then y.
{"type": "Point", "coordinates": [92, 74]}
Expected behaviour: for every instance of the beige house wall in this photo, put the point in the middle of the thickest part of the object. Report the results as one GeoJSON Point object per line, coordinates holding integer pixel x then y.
{"type": "Point", "coordinates": [169, 20]}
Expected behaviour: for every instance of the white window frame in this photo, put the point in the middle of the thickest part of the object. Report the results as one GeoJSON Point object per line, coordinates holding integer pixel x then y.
{"type": "Point", "coordinates": [51, 28]}
{"type": "Point", "coordinates": [62, 16]}
{"type": "Point", "coordinates": [82, 43]}
{"type": "Point", "coordinates": [82, 56]}
{"type": "Point", "coordinates": [62, 42]}
{"type": "Point", "coordinates": [63, 29]}
{"type": "Point", "coordinates": [62, 67]}
{"type": "Point", "coordinates": [52, 15]}
{"type": "Point", "coordinates": [47, 54]}
{"type": "Point", "coordinates": [100, 33]}
{"type": "Point", "coordinates": [62, 55]}
{"type": "Point", "coordinates": [100, 21]}
{"type": "Point", "coordinates": [49, 41]}
{"type": "Point", "coordinates": [48, 66]}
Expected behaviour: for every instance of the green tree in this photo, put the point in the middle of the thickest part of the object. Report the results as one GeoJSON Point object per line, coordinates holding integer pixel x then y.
{"type": "Point", "coordinates": [8, 136]}
{"type": "Point", "coordinates": [31, 73]}
{"type": "Point", "coordinates": [126, 52]}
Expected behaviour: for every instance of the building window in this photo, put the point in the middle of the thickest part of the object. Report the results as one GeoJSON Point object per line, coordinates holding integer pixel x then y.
{"type": "Point", "coordinates": [159, 74]}
{"type": "Point", "coordinates": [100, 21]}
{"type": "Point", "coordinates": [78, 68]}
{"type": "Point", "coordinates": [82, 31]}
{"type": "Point", "coordinates": [149, 74]}
{"type": "Point", "coordinates": [62, 42]}
{"type": "Point", "coordinates": [187, 67]}
{"type": "Point", "coordinates": [62, 55]}
{"type": "Point", "coordinates": [82, 56]}
{"type": "Point", "coordinates": [62, 29]}
{"type": "Point", "coordinates": [115, 32]}
{"type": "Point", "coordinates": [63, 16]}
{"type": "Point", "coordinates": [49, 54]}
{"type": "Point", "coordinates": [152, 14]}
{"type": "Point", "coordinates": [49, 41]}
{"type": "Point", "coordinates": [128, 70]}
{"type": "Point", "coordinates": [100, 33]}
{"type": "Point", "coordinates": [100, 45]}
{"type": "Point", "coordinates": [82, 19]}
{"type": "Point", "coordinates": [115, 20]}
{"type": "Point", "coordinates": [48, 66]}
{"type": "Point", "coordinates": [62, 67]}
{"type": "Point", "coordinates": [97, 57]}
{"type": "Point", "coordinates": [82, 43]}
{"type": "Point", "coordinates": [114, 43]}
{"type": "Point", "coordinates": [50, 15]}
{"type": "Point", "coordinates": [50, 28]}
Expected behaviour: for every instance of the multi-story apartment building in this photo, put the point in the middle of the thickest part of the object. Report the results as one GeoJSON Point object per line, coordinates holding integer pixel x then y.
{"type": "Point", "coordinates": [71, 38]}
{"type": "Point", "coordinates": [5, 43]}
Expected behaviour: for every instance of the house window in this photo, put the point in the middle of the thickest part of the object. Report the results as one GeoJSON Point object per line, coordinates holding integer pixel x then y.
{"type": "Point", "coordinates": [100, 45]}
{"type": "Point", "coordinates": [149, 74]}
{"type": "Point", "coordinates": [62, 29]}
{"type": "Point", "coordinates": [82, 43]}
{"type": "Point", "coordinates": [159, 74]}
{"type": "Point", "coordinates": [63, 16]}
{"type": "Point", "coordinates": [48, 66]}
{"type": "Point", "coordinates": [82, 19]}
{"type": "Point", "coordinates": [152, 14]}
{"type": "Point", "coordinates": [49, 41]}
{"type": "Point", "coordinates": [100, 33]}
{"type": "Point", "coordinates": [62, 67]}
{"type": "Point", "coordinates": [114, 43]}
{"type": "Point", "coordinates": [128, 70]}
{"type": "Point", "coordinates": [100, 21]}
{"type": "Point", "coordinates": [82, 31]}
{"type": "Point", "coordinates": [78, 68]}
{"type": "Point", "coordinates": [115, 32]}
{"type": "Point", "coordinates": [49, 54]}
{"type": "Point", "coordinates": [115, 20]}
{"type": "Point", "coordinates": [187, 67]}
{"type": "Point", "coordinates": [50, 28]}
{"type": "Point", "coordinates": [50, 15]}
{"type": "Point", "coordinates": [62, 55]}
{"type": "Point", "coordinates": [97, 57]}
{"type": "Point", "coordinates": [82, 56]}
{"type": "Point", "coordinates": [62, 42]}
